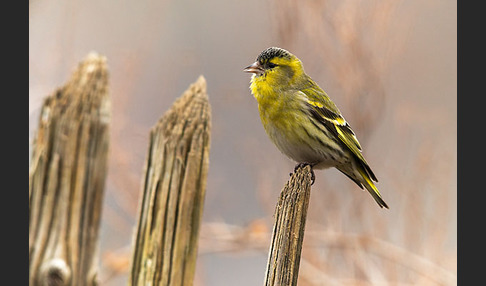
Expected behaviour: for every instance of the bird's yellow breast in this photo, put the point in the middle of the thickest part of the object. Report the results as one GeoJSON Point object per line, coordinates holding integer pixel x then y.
{"type": "Point", "coordinates": [270, 102]}
{"type": "Point", "coordinates": [279, 108]}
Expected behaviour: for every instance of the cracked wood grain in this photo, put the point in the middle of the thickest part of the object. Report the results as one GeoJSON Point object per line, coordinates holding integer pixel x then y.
{"type": "Point", "coordinates": [67, 178]}
{"type": "Point", "coordinates": [165, 247]}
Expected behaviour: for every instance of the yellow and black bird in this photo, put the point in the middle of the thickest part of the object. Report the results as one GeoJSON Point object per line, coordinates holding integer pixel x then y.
{"type": "Point", "coordinates": [300, 118]}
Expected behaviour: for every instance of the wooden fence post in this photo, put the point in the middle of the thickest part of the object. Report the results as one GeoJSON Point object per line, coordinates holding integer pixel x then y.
{"type": "Point", "coordinates": [165, 247]}
{"type": "Point", "coordinates": [67, 177]}
{"type": "Point", "coordinates": [288, 230]}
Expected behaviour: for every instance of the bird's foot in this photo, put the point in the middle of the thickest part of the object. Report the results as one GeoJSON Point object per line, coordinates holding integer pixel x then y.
{"type": "Point", "coordinates": [302, 165]}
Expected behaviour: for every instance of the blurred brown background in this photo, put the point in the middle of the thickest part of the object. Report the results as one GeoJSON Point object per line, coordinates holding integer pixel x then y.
{"type": "Point", "coordinates": [390, 66]}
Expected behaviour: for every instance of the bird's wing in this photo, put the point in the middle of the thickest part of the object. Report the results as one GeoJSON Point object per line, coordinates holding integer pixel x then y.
{"type": "Point", "coordinates": [326, 112]}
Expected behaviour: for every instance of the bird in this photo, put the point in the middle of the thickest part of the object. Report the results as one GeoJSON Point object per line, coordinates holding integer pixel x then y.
{"type": "Point", "coordinates": [303, 122]}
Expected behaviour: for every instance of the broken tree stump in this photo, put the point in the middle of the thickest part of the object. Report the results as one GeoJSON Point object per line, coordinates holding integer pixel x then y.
{"type": "Point", "coordinates": [67, 178]}
{"type": "Point", "coordinates": [165, 247]}
{"type": "Point", "coordinates": [288, 230]}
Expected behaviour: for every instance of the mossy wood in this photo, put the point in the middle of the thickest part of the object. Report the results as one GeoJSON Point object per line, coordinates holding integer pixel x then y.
{"type": "Point", "coordinates": [173, 191]}
{"type": "Point", "coordinates": [288, 230]}
{"type": "Point", "coordinates": [67, 177]}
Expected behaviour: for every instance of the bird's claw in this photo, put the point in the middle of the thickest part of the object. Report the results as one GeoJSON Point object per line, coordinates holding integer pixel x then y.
{"type": "Point", "coordinates": [302, 165]}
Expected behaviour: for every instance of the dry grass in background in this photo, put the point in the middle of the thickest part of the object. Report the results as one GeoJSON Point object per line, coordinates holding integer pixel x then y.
{"type": "Point", "coordinates": [358, 41]}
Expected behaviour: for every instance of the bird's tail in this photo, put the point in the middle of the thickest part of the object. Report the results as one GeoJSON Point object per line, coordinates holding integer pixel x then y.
{"type": "Point", "coordinates": [372, 189]}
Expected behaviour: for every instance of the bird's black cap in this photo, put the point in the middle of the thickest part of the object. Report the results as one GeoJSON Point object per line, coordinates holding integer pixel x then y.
{"type": "Point", "coordinates": [271, 53]}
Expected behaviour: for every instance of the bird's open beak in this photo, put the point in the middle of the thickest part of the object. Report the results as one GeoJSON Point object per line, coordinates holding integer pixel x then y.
{"type": "Point", "coordinates": [255, 68]}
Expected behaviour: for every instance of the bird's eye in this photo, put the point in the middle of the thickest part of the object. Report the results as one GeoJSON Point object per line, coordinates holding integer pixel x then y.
{"type": "Point", "coordinates": [271, 65]}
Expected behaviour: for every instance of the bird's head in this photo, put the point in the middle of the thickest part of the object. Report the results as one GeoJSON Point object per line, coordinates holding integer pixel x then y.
{"type": "Point", "coordinates": [276, 67]}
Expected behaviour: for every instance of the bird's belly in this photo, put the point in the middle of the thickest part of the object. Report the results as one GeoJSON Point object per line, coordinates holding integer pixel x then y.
{"type": "Point", "coordinates": [304, 146]}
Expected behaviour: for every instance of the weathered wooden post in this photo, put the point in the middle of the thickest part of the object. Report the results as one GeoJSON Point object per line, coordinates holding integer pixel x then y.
{"type": "Point", "coordinates": [288, 230]}
{"type": "Point", "coordinates": [67, 178]}
{"type": "Point", "coordinates": [165, 247]}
